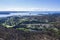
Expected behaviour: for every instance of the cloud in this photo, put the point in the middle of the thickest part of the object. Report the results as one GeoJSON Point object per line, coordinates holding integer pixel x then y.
{"type": "Point", "coordinates": [29, 9]}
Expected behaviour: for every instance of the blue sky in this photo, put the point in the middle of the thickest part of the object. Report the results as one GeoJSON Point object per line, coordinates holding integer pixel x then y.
{"type": "Point", "coordinates": [30, 5]}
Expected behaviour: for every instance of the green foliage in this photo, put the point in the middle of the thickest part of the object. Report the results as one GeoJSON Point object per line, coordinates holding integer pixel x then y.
{"type": "Point", "coordinates": [55, 31]}
{"type": "Point", "coordinates": [23, 29]}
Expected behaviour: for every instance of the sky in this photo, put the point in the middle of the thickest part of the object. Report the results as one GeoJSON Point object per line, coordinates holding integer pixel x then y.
{"type": "Point", "coordinates": [29, 5]}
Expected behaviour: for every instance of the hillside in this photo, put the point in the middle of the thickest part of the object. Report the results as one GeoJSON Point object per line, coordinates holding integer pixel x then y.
{"type": "Point", "coordinates": [13, 34]}
{"type": "Point", "coordinates": [38, 27]}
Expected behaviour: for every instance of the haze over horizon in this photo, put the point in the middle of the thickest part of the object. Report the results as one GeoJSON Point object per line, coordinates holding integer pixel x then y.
{"type": "Point", "coordinates": [28, 5]}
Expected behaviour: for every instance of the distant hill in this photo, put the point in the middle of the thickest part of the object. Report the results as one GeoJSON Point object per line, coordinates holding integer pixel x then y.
{"type": "Point", "coordinates": [15, 20]}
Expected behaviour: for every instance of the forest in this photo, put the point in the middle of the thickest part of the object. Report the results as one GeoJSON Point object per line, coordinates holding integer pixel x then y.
{"type": "Point", "coordinates": [34, 27]}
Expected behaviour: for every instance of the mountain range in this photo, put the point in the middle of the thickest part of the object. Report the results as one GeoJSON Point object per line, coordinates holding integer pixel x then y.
{"type": "Point", "coordinates": [34, 27]}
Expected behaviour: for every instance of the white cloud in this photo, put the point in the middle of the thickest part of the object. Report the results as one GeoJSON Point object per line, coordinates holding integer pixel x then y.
{"type": "Point", "coordinates": [29, 9]}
